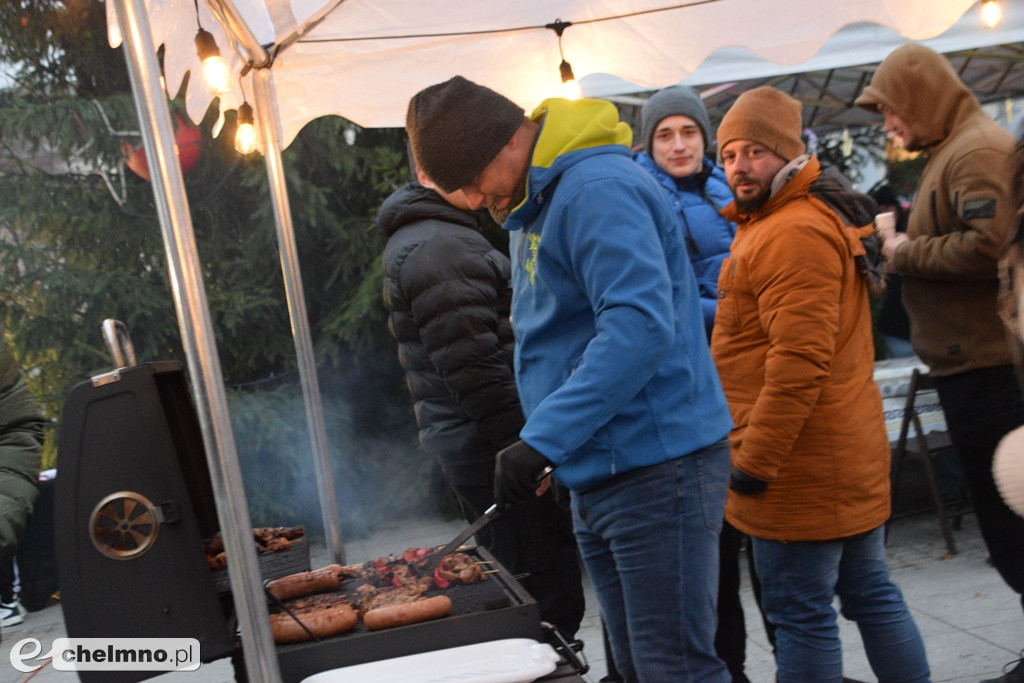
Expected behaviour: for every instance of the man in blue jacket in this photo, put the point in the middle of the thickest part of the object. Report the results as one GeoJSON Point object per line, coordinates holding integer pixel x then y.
{"type": "Point", "coordinates": [675, 129]}
{"type": "Point", "coordinates": [616, 381]}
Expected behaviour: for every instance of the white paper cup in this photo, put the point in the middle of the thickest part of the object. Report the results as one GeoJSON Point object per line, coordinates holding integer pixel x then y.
{"type": "Point", "coordinates": [885, 223]}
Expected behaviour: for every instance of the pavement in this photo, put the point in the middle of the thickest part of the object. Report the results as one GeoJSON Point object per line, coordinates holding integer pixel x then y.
{"type": "Point", "coordinates": [971, 621]}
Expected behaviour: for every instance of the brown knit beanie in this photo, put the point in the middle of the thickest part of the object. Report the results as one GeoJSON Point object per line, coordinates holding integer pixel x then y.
{"type": "Point", "coordinates": [457, 127]}
{"type": "Point", "coordinates": [768, 117]}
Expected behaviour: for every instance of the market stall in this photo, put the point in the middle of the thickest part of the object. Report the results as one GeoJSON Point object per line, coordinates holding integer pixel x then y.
{"type": "Point", "coordinates": [363, 60]}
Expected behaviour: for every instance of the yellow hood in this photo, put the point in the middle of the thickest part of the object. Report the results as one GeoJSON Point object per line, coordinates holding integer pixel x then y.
{"type": "Point", "coordinates": [573, 125]}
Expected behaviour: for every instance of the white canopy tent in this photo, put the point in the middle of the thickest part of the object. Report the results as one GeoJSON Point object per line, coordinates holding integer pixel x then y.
{"type": "Point", "coordinates": [990, 62]}
{"type": "Point", "coordinates": [364, 59]}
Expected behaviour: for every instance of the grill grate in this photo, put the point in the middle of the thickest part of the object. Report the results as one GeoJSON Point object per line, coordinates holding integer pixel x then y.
{"type": "Point", "coordinates": [492, 609]}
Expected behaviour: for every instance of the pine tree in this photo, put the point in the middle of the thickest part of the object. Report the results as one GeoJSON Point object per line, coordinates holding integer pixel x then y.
{"type": "Point", "coordinates": [82, 243]}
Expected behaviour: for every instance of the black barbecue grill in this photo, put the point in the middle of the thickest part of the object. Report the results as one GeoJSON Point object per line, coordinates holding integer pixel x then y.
{"type": "Point", "coordinates": [132, 505]}
{"type": "Point", "coordinates": [131, 508]}
{"type": "Point", "coordinates": [492, 609]}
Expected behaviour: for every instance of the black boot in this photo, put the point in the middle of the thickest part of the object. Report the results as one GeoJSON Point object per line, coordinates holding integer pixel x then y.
{"type": "Point", "coordinates": [1014, 675]}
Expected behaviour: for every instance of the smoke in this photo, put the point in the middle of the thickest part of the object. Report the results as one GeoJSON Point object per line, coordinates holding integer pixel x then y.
{"type": "Point", "coordinates": [380, 474]}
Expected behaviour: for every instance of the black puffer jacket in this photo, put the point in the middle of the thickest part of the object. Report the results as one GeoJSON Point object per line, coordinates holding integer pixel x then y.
{"type": "Point", "coordinates": [449, 293]}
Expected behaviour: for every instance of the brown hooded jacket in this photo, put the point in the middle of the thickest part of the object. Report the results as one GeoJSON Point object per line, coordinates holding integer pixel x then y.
{"type": "Point", "coordinates": [962, 215]}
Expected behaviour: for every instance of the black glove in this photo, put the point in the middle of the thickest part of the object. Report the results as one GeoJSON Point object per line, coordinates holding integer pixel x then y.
{"type": "Point", "coordinates": [517, 473]}
{"type": "Point", "coordinates": [743, 483]}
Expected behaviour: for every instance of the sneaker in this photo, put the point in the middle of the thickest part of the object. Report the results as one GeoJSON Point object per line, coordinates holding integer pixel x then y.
{"type": "Point", "coordinates": [11, 613]}
{"type": "Point", "coordinates": [1014, 675]}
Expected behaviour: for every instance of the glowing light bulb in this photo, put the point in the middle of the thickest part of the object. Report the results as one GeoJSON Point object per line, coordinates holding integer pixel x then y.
{"type": "Point", "coordinates": [245, 132]}
{"type": "Point", "coordinates": [216, 76]}
{"type": "Point", "coordinates": [570, 88]}
{"type": "Point", "coordinates": [991, 13]}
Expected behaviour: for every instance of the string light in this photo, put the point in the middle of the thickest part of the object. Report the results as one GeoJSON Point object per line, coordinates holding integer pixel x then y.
{"type": "Point", "coordinates": [245, 124]}
{"type": "Point", "coordinates": [570, 88]}
{"type": "Point", "coordinates": [991, 13]}
{"type": "Point", "coordinates": [245, 132]}
{"type": "Point", "coordinates": [216, 76]}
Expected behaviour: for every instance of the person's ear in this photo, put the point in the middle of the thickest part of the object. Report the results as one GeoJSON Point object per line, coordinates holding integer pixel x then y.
{"type": "Point", "coordinates": [424, 179]}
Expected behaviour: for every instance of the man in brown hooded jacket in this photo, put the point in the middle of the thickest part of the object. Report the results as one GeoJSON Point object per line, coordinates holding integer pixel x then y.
{"type": "Point", "coordinates": [962, 216]}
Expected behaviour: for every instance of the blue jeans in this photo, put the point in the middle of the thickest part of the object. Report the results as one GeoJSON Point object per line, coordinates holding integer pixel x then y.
{"type": "Point", "coordinates": [798, 583]}
{"type": "Point", "coordinates": [649, 540]}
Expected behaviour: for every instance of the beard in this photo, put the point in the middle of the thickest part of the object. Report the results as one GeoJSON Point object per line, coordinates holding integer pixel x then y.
{"type": "Point", "coordinates": [751, 203]}
{"type": "Point", "coordinates": [518, 195]}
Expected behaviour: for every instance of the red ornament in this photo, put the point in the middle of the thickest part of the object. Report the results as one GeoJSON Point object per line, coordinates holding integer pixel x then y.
{"type": "Point", "coordinates": [188, 140]}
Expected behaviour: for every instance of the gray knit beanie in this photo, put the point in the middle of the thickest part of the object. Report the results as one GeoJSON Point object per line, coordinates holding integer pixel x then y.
{"type": "Point", "coordinates": [457, 127]}
{"type": "Point", "coordinates": [671, 101]}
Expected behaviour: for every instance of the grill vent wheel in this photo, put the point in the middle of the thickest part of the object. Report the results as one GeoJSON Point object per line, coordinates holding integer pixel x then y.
{"type": "Point", "coordinates": [124, 525]}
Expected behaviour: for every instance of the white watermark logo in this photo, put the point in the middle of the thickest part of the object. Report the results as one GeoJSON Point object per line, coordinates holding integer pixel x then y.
{"type": "Point", "coordinates": [109, 654]}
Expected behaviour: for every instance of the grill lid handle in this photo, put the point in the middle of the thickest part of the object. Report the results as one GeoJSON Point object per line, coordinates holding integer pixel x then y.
{"type": "Point", "coordinates": [119, 344]}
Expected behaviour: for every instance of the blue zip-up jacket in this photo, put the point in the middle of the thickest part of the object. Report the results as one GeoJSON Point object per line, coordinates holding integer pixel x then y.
{"type": "Point", "coordinates": [612, 363]}
{"type": "Point", "coordinates": [698, 199]}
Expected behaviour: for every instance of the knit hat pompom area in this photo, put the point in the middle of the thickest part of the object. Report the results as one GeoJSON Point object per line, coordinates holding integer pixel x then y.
{"type": "Point", "coordinates": [457, 127]}
{"type": "Point", "coordinates": [1008, 470]}
{"type": "Point", "coordinates": [681, 100]}
{"type": "Point", "coordinates": [768, 117]}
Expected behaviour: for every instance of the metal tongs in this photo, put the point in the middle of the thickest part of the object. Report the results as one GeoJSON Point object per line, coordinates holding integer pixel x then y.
{"type": "Point", "coordinates": [428, 563]}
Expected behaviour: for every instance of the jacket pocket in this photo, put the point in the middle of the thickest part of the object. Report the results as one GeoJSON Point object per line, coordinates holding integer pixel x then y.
{"type": "Point", "coordinates": [725, 308]}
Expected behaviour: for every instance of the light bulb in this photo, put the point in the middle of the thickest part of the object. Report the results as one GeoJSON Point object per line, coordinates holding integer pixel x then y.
{"type": "Point", "coordinates": [216, 76]}
{"type": "Point", "coordinates": [991, 13]}
{"type": "Point", "coordinates": [570, 88]}
{"type": "Point", "coordinates": [245, 132]}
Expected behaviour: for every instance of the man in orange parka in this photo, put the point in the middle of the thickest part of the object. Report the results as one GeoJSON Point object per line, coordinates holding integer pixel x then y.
{"type": "Point", "coordinates": [793, 345]}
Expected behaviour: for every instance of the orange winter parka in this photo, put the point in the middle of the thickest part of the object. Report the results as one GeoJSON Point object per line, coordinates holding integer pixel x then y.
{"type": "Point", "coordinates": [793, 345]}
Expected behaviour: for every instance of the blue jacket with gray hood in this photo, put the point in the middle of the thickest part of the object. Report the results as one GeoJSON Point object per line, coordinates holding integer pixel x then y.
{"type": "Point", "coordinates": [612, 363]}
{"type": "Point", "coordinates": [698, 199]}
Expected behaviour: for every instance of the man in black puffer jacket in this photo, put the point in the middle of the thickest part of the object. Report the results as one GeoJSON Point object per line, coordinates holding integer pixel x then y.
{"type": "Point", "coordinates": [449, 293]}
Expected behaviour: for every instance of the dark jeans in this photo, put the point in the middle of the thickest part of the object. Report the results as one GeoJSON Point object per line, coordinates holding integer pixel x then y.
{"type": "Point", "coordinates": [649, 539]}
{"type": "Point", "coordinates": [534, 539]}
{"type": "Point", "coordinates": [981, 406]}
{"type": "Point", "coordinates": [800, 581]}
{"type": "Point", "coordinates": [731, 637]}
{"type": "Point", "coordinates": [7, 578]}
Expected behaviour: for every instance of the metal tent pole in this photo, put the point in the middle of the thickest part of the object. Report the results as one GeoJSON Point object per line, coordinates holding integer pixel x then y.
{"type": "Point", "coordinates": [266, 114]}
{"type": "Point", "coordinates": [200, 348]}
